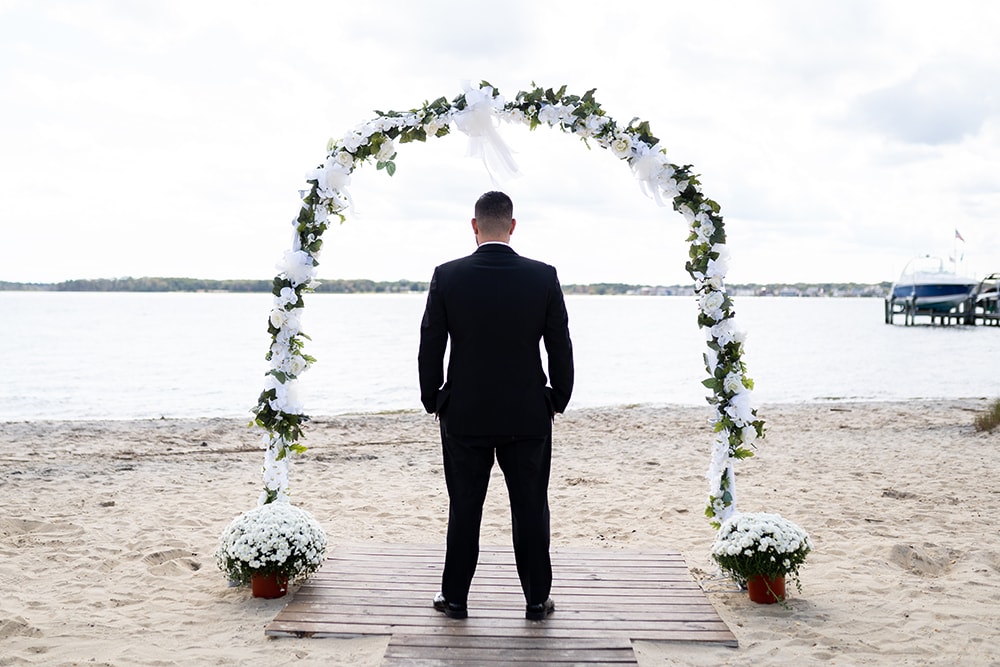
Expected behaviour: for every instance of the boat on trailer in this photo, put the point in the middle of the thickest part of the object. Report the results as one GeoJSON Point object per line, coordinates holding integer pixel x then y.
{"type": "Point", "coordinates": [927, 285]}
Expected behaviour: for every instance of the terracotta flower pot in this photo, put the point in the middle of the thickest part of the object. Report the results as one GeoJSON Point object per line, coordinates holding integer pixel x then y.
{"type": "Point", "coordinates": [268, 585]}
{"type": "Point", "coordinates": [766, 590]}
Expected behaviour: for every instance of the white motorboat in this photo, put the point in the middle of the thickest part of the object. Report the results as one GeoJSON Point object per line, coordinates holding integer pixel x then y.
{"type": "Point", "coordinates": [929, 286]}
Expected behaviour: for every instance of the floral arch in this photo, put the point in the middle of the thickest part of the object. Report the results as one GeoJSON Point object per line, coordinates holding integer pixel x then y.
{"type": "Point", "coordinates": [477, 112]}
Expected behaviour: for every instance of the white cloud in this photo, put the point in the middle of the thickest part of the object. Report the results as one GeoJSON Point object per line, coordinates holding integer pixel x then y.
{"type": "Point", "coordinates": [942, 103]}
{"type": "Point", "coordinates": [170, 138]}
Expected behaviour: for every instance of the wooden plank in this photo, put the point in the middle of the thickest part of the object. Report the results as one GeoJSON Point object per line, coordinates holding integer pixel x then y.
{"type": "Point", "coordinates": [419, 581]}
{"type": "Point", "coordinates": [609, 642]}
{"type": "Point", "coordinates": [652, 587]}
{"type": "Point", "coordinates": [436, 550]}
{"type": "Point", "coordinates": [564, 614]}
{"type": "Point", "coordinates": [490, 626]}
{"type": "Point", "coordinates": [568, 609]}
{"type": "Point", "coordinates": [422, 649]}
{"type": "Point", "coordinates": [488, 660]}
{"type": "Point", "coordinates": [720, 636]}
{"type": "Point", "coordinates": [631, 628]}
{"type": "Point", "coordinates": [665, 632]}
{"type": "Point", "coordinates": [538, 655]}
{"type": "Point", "coordinates": [629, 577]}
{"type": "Point", "coordinates": [567, 568]}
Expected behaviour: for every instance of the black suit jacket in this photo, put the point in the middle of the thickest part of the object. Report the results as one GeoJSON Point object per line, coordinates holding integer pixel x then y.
{"type": "Point", "coordinates": [495, 306]}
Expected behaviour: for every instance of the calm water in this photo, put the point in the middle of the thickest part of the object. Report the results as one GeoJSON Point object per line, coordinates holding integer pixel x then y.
{"type": "Point", "coordinates": [123, 355]}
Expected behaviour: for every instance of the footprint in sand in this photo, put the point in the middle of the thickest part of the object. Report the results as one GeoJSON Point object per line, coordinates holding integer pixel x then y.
{"type": "Point", "coordinates": [928, 560]}
{"type": "Point", "coordinates": [10, 527]}
{"type": "Point", "coordinates": [17, 627]}
{"type": "Point", "coordinates": [172, 562]}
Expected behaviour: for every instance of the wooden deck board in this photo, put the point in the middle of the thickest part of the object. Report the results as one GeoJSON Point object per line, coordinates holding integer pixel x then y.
{"type": "Point", "coordinates": [604, 599]}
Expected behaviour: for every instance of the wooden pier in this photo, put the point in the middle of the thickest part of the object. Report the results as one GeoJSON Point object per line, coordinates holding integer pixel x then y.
{"type": "Point", "coordinates": [964, 314]}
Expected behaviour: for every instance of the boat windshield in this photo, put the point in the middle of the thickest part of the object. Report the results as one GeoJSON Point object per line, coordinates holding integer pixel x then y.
{"type": "Point", "coordinates": [926, 264]}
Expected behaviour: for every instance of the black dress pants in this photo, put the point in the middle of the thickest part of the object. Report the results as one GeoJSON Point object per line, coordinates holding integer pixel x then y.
{"type": "Point", "coordinates": [525, 462]}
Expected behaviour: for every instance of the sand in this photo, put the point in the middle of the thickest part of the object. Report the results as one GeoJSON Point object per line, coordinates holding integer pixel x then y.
{"type": "Point", "coordinates": [108, 529]}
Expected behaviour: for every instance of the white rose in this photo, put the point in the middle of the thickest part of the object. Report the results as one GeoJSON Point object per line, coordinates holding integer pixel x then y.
{"type": "Point", "coordinates": [549, 114]}
{"type": "Point", "coordinates": [285, 297]}
{"type": "Point", "coordinates": [704, 228]}
{"type": "Point", "coordinates": [703, 235]}
{"type": "Point", "coordinates": [725, 331]}
{"type": "Point", "coordinates": [335, 201]}
{"type": "Point", "coordinates": [715, 282]}
{"type": "Point", "coordinates": [595, 123]}
{"type": "Point", "coordinates": [386, 151]}
{"type": "Point", "coordinates": [515, 116]}
{"type": "Point", "coordinates": [711, 304]}
{"type": "Point", "coordinates": [621, 146]}
{"type": "Point", "coordinates": [297, 365]}
{"type": "Point", "coordinates": [278, 317]}
{"type": "Point", "coordinates": [739, 409]}
{"type": "Point", "coordinates": [733, 383]}
{"type": "Point", "coordinates": [669, 186]}
{"type": "Point", "coordinates": [352, 141]}
{"type": "Point", "coordinates": [344, 159]}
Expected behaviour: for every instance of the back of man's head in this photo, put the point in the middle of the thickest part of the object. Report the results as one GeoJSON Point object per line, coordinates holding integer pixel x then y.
{"type": "Point", "coordinates": [494, 211]}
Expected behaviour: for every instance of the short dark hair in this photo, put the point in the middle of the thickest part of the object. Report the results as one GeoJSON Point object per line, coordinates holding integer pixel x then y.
{"type": "Point", "coordinates": [494, 211]}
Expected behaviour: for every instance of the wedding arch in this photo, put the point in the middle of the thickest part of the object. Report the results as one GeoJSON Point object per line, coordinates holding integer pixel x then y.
{"type": "Point", "coordinates": [478, 112]}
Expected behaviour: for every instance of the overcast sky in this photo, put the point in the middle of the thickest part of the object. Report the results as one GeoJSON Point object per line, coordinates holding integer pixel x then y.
{"type": "Point", "coordinates": [170, 138]}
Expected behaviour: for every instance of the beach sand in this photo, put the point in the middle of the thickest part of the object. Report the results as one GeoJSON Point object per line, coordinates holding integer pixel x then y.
{"type": "Point", "coordinates": [108, 529]}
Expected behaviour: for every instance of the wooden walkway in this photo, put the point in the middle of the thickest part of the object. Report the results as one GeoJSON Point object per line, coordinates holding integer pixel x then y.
{"type": "Point", "coordinates": [604, 599]}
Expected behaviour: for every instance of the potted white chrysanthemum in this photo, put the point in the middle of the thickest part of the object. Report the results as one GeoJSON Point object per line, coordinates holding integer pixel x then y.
{"type": "Point", "coordinates": [269, 545]}
{"type": "Point", "coordinates": [759, 550]}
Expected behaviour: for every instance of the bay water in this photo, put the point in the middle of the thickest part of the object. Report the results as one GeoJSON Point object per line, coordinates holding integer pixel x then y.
{"type": "Point", "coordinates": [85, 355]}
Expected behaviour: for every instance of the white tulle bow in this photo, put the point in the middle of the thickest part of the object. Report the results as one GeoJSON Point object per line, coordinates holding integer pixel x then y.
{"type": "Point", "coordinates": [649, 166]}
{"type": "Point", "coordinates": [478, 121]}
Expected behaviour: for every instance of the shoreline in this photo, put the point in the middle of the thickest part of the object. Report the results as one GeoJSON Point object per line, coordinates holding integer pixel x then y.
{"type": "Point", "coordinates": [109, 527]}
{"type": "Point", "coordinates": [763, 409]}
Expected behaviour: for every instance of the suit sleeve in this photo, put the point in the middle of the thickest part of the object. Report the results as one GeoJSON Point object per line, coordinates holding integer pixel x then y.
{"type": "Point", "coordinates": [433, 342]}
{"type": "Point", "coordinates": [558, 346]}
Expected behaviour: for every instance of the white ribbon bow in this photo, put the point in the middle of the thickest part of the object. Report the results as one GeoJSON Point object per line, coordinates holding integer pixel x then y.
{"type": "Point", "coordinates": [477, 121]}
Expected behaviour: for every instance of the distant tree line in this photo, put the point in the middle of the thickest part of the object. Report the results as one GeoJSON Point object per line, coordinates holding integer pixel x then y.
{"type": "Point", "coordinates": [148, 284]}
{"type": "Point", "coordinates": [365, 286]}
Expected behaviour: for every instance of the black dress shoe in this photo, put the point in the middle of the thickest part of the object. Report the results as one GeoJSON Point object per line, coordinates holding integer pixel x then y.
{"type": "Point", "coordinates": [538, 612]}
{"type": "Point", "coordinates": [450, 609]}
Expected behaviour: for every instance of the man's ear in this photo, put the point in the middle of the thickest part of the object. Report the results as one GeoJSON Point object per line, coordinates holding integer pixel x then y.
{"type": "Point", "coordinates": [513, 224]}
{"type": "Point", "coordinates": [475, 227]}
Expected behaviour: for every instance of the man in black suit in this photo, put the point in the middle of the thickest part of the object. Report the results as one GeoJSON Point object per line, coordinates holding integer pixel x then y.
{"type": "Point", "coordinates": [495, 306]}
